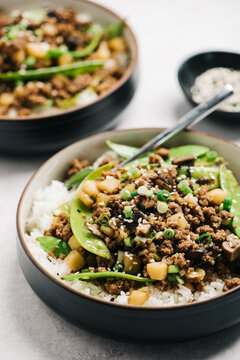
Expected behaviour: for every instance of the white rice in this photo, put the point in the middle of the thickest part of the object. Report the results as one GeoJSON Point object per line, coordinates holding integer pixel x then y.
{"type": "Point", "coordinates": [45, 202]}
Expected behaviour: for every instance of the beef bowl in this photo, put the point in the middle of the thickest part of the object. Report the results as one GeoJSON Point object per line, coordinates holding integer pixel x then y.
{"type": "Point", "coordinates": [66, 72]}
{"type": "Point", "coordinates": [136, 253]}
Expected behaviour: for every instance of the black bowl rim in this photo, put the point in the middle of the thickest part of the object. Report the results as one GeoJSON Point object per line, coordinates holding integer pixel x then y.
{"type": "Point", "coordinates": [189, 58]}
{"type": "Point", "coordinates": [114, 88]}
{"type": "Point", "coordinates": [23, 243]}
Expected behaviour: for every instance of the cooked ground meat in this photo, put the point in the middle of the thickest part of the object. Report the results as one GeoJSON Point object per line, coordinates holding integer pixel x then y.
{"type": "Point", "coordinates": [231, 283]}
{"type": "Point", "coordinates": [60, 228]}
{"type": "Point", "coordinates": [76, 166]}
{"type": "Point", "coordinates": [115, 287]}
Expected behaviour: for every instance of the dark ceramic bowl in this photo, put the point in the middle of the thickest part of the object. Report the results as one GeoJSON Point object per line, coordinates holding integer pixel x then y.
{"type": "Point", "coordinates": [48, 133]}
{"type": "Point", "coordinates": [199, 63]}
{"type": "Point", "coordinates": [175, 323]}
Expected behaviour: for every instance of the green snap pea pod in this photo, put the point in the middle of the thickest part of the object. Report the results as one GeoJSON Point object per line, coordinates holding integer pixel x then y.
{"type": "Point", "coordinates": [124, 151]}
{"type": "Point", "coordinates": [197, 172]}
{"type": "Point", "coordinates": [185, 150]}
{"type": "Point", "coordinates": [89, 48]}
{"type": "Point", "coordinates": [203, 161]}
{"type": "Point", "coordinates": [230, 185]}
{"type": "Point", "coordinates": [54, 245]}
{"type": "Point", "coordinates": [69, 70]}
{"type": "Point", "coordinates": [79, 213]}
{"type": "Point", "coordinates": [105, 274]}
{"type": "Point", "coordinates": [115, 30]}
{"type": "Point", "coordinates": [63, 209]}
{"type": "Point", "coordinates": [79, 177]}
{"type": "Point", "coordinates": [59, 51]}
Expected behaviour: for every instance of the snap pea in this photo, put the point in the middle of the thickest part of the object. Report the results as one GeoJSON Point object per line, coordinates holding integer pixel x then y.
{"type": "Point", "coordinates": [197, 172]}
{"type": "Point", "coordinates": [124, 151]}
{"type": "Point", "coordinates": [204, 162]}
{"type": "Point", "coordinates": [185, 150]}
{"type": "Point", "coordinates": [79, 213]}
{"type": "Point", "coordinates": [63, 209]}
{"type": "Point", "coordinates": [93, 44]}
{"type": "Point", "coordinates": [70, 70]}
{"type": "Point", "coordinates": [115, 30]}
{"type": "Point", "coordinates": [57, 52]}
{"type": "Point", "coordinates": [54, 245]}
{"type": "Point", "coordinates": [78, 178]}
{"type": "Point", "coordinates": [230, 185]}
{"type": "Point", "coordinates": [105, 274]}
{"type": "Point", "coordinates": [89, 48]}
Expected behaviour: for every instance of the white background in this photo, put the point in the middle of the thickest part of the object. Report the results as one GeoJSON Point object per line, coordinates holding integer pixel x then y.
{"type": "Point", "coordinates": [167, 32]}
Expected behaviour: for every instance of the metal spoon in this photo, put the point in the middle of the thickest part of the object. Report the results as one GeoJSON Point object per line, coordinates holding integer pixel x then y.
{"type": "Point", "coordinates": [191, 118]}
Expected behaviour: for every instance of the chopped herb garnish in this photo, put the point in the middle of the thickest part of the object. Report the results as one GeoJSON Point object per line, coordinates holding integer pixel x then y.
{"type": "Point", "coordinates": [204, 237]}
{"type": "Point", "coordinates": [163, 195]}
{"type": "Point", "coordinates": [103, 220]}
{"type": "Point", "coordinates": [168, 233]}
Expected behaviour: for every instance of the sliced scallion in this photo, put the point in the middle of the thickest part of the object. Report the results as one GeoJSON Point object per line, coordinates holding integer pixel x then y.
{"type": "Point", "coordinates": [128, 242]}
{"type": "Point", "coordinates": [125, 194]}
{"type": "Point", "coordinates": [211, 155]}
{"type": "Point", "coordinates": [134, 193]}
{"type": "Point", "coordinates": [134, 172]}
{"type": "Point", "coordinates": [168, 233]}
{"type": "Point", "coordinates": [227, 203]}
{"type": "Point", "coordinates": [128, 211]}
{"type": "Point", "coordinates": [104, 220]}
{"type": "Point", "coordinates": [204, 237]}
{"type": "Point", "coordinates": [184, 187]}
{"type": "Point", "coordinates": [173, 269]}
{"type": "Point", "coordinates": [162, 207]}
{"type": "Point", "coordinates": [163, 195]}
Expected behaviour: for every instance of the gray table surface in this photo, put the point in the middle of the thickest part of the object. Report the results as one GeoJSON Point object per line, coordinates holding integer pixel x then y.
{"type": "Point", "coordinates": [167, 31]}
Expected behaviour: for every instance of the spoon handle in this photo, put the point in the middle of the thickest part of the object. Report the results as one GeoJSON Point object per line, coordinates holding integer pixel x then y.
{"type": "Point", "coordinates": [191, 118]}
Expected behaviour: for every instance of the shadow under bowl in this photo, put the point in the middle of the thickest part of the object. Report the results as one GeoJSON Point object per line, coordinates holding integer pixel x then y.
{"type": "Point", "coordinates": [38, 134]}
{"type": "Point", "coordinates": [152, 324]}
{"type": "Point", "coordinates": [198, 64]}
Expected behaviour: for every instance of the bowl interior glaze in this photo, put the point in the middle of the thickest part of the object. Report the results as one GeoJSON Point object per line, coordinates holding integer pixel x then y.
{"type": "Point", "coordinates": [94, 146]}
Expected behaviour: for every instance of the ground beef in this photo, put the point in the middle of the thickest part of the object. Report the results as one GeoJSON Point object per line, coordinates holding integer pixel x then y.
{"type": "Point", "coordinates": [184, 160]}
{"type": "Point", "coordinates": [76, 166]}
{"type": "Point", "coordinates": [60, 228]}
{"type": "Point", "coordinates": [166, 248]}
{"type": "Point", "coordinates": [115, 287]}
{"type": "Point", "coordinates": [231, 283]}
{"type": "Point", "coordinates": [155, 159]}
{"type": "Point", "coordinates": [165, 153]}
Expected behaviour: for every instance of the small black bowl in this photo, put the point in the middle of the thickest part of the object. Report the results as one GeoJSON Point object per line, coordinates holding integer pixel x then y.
{"type": "Point", "coordinates": [38, 134]}
{"type": "Point", "coordinates": [199, 63]}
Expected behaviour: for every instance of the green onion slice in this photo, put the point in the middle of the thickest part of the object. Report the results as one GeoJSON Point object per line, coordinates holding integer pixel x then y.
{"type": "Point", "coordinates": [106, 222]}
{"type": "Point", "coordinates": [227, 203]}
{"type": "Point", "coordinates": [204, 236]}
{"type": "Point", "coordinates": [163, 195]}
{"type": "Point", "coordinates": [168, 233]}
{"type": "Point", "coordinates": [184, 187]}
{"type": "Point", "coordinates": [211, 155]}
{"type": "Point", "coordinates": [128, 211]}
{"type": "Point", "coordinates": [173, 269]}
